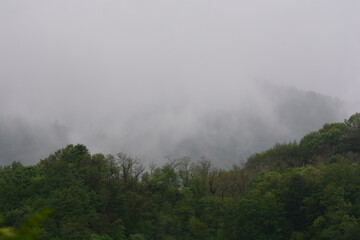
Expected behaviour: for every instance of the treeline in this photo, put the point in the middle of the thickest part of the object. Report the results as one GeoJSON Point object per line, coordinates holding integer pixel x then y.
{"type": "Point", "coordinates": [305, 190]}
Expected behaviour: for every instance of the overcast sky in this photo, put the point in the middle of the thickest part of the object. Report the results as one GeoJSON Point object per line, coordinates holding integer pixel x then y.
{"type": "Point", "coordinates": [97, 67]}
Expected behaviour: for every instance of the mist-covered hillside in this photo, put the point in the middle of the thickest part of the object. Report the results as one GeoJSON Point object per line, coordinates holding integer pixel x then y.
{"type": "Point", "coordinates": [160, 78]}
{"type": "Point", "coordinates": [292, 191]}
{"type": "Point", "coordinates": [281, 114]}
{"type": "Point", "coordinates": [27, 142]}
{"type": "Point", "coordinates": [224, 130]}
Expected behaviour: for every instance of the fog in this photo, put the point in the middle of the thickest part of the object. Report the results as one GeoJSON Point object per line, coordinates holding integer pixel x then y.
{"type": "Point", "coordinates": [159, 78]}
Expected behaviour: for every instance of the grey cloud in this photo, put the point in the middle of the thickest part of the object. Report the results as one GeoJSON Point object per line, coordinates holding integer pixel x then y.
{"type": "Point", "coordinates": [28, 142]}
{"type": "Point", "coordinates": [154, 77]}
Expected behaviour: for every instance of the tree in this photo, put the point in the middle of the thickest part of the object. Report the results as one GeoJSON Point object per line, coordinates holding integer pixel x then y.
{"type": "Point", "coordinates": [200, 176]}
{"type": "Point", "coordinates": [31, 230]}
{"type": "Point", "coordinates": [183, 166]}
{"type": "Point", "coordinates": [351, 138]}
{"type": "Point", "coordinates": [260, 217]}
{"type": "Point", "coordinates": [130, 168]}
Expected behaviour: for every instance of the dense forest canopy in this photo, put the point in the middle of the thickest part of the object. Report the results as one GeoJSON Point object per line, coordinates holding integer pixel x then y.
{"type": "Point", "coordinates": [305, 190]}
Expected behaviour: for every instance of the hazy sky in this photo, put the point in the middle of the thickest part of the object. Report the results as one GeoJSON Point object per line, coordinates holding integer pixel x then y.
{"type": "Point", "coordinates": [100, 68]}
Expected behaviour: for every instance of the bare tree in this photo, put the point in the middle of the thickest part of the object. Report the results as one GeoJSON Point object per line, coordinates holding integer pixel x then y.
{"type": "Point", "coordinates": [183, 166]}
{"type": "Point", "coordinates": [152, 167]}
{"type": "Point", "coordinates": [130, 168]}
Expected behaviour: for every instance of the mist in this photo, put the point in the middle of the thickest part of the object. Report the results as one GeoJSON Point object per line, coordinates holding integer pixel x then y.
{"type": "Point", "coordinates": [157, 78]}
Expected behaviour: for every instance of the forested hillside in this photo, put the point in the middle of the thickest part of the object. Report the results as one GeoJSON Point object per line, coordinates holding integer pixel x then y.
{"type": "Point", "coordinates": [305, 190]}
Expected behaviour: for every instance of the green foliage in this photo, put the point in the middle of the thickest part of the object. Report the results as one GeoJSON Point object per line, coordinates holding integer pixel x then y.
{"type": "Point", "coordinates": [31, 230]}
{"type": "Point", "coordinates": [279, 157]}
{"type": "Point", "coordinates": [94, 236]}
{"type": "Point", "coordinates": [309, 190]}
{"type": "Point", "coordinates": [136, 236]}
{"type": "Point", "coordinates": [117, 231]}
{"type": "Point", "coordinates": [351, 137]}
{"type": "Point", "coordinates": [260, 217]}
{"type": "Point", "coordinates": [325, 142]}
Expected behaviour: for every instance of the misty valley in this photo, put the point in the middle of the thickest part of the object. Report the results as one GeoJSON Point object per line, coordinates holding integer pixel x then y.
{"type": "Point", "coordinates": [298, 190]}
{"type": "Point", "coordinates": [179, 120]}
